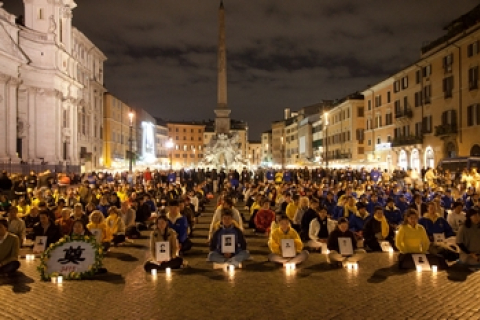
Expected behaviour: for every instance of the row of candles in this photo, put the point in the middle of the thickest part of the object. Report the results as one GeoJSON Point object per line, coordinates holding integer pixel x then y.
{"type": "Point", "coordinates": [433, 268]}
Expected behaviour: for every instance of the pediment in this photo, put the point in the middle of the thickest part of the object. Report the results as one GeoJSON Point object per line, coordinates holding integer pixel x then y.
{"type": "Point", "coordinates": [9, 47]}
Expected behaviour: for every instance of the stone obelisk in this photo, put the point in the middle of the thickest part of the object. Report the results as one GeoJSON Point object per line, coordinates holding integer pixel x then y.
{"type": "Point", "coordinates": [222, 120]}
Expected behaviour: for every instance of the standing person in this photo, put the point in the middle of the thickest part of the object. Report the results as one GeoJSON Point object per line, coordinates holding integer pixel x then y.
{"type": "Point", "coordinates": [468, 239]}
{"type": "Point", "coordinates": [163, 233]}
{"type": "Point", "coordinates": [227, 227]}
{"type": "Point", "coordinates": [275, 243]}
{"type": "Point", "coordinates": [9, 250]}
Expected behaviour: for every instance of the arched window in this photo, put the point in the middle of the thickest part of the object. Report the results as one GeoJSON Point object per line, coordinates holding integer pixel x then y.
{"type": "Point", "coordinates": [451, 150]}
{"type": "Point", "coordinates": [475, 151]}
{"type": "Point", "coordinates": [402, 160]}
{"type": "Point", "coordinates": [415, 160]}
{"type": "Point", "coordinates": [429, 158]}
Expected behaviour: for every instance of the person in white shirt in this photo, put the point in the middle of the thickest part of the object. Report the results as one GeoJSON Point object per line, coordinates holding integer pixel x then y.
{"type": "Point", "coordinates": [320, 228]}
{"type": "Point", "coordinates": [456, 218]}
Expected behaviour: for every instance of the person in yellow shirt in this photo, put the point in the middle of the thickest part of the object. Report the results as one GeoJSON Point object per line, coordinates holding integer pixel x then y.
{"type": "Point", "coordinates": [23, 209]}
{"type": "Point", "coordinates": [411, 238]}
{"type": "Point", "coordinates": [275, 244]}
{"type": "Point", "coordinates": [97, 226]}
{"type": "Point", "coordinates": [292, 207]}
{"type": "Point", "coordinates": [115, 227]}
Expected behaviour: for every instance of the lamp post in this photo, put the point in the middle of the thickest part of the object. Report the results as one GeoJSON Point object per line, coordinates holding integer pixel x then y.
{"type": "Point", "coordinates": [130, 142]}
{"type": "Point", "coordinates": [169, 146]}
{"type": "Point", "coordinates": [325, 138]}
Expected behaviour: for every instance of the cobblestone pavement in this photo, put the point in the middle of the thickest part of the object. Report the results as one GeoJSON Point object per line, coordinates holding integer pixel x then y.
{"type": "Point", "coordinates": [377, 290]}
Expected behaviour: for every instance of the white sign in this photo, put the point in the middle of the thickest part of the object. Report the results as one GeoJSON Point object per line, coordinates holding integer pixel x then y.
{"type": "Point", "coordinates": [97, 233]}
{"type": "Point", "coordinates": [40, 244]}
{"type": "Point", "coordinates": [162, 251]}
{"type": "Point", "coordinates": [421, 260]}
{"type": "Point", "coordinates": [383, 146]}
{"type": "Point", "coordinates": [438, 237]}
{"type": "Point", "coordinates": [385, 245]}
{"type": "Point", "coordinates": [345, 246]}
{"type": "Point", "coordinates": [228, 243]}
{"type": "Point", "coordinates": [75, 256]}
{"type": "Point", "coordinates": [288, 248]}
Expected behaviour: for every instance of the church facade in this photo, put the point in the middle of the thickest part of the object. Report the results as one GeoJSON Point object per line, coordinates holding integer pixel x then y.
{"type": "Point", "coordinates": [51, 89]}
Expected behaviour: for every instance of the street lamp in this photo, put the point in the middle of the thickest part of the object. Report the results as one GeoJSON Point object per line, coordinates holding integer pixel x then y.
{"type": "Point", "coordinates": [130, 141]}
{"type": "Point", "coordinates": [325, 138]}
{"type": "Point", "coordinates": [169, 146]}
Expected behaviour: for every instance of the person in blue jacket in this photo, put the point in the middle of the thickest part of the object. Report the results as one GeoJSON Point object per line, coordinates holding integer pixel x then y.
{"type": "Point", "coordinates": [329, 203]}
{"type": "Point", "coordinates": [402, 203]}
{"type": "Point", "coordinates": [447, 199]}
{"type": "Point", "coordinates": [372, 203]}
{"type": "Point", "coordinates": [179, 223]}
{"type": "Point", "coordinates": [375, 175]}
{"type": "Point", "coordinates": [393, 214]}
{"type": "Point", "coordinates": [435, 224]}
{"type": "Point", "coordinates": [270, 175]}
{"type": "Point", "coordinates": [228, 228]}
{"type": "Point", "coordinates": [357, 221]}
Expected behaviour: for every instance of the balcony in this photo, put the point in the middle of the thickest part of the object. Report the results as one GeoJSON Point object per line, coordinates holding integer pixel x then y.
{"type": "Point", "coordinates": [405, 141]}
{"type": "Point", "coordinates": [445, 130]}
{"type": "Point", "coordinates": [405, 113]}
{"type": "Point", "coordinates": [340, 156]}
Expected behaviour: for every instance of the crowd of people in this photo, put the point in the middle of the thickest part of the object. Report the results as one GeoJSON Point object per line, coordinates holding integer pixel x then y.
{"type": "Point", "coordinates": [311, 210]}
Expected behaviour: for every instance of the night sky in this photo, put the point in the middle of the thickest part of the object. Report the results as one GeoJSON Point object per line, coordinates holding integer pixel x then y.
{"type": "Point", "coordinates": [281, 54]}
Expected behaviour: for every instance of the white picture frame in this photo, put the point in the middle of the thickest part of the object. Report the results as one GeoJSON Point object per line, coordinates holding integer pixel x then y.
{"type": "Point", "coordinates": [345, 246]}
{"type": "Point", "coordinates": [97, 233]}
{"type": "Point", "coordinates": [228, 243]}
{"type": "Point", "coordinates": [422, 261]}
{"type": "Point", "coordinates": [288, 248]}
{"type": "Point", "coordinates": [162, 251]}
{"type": "Point", "coordinates": [40, 244]}
{"type": "Point", "coordinates": [439, 237]}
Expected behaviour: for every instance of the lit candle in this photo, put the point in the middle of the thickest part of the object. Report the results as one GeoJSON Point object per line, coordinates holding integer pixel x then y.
{"type": "Point", "coordinates": [60, 279]}
{"type": "Point", "coordinates": [390, 250]}
{"type": "Point", "coordinates": [54, 279]}
{"type": "Point", "coordinates": [231, 268]}
{"type": "Point", "coordinates": [168, 271]}
{"type": "Point", "coordinates": [419, 268]}
{"type": "Point", "coordinates": [292, 266]}
{"type": "Point", "coordinates": [355, 266]}
{"type": "Point", "coordinates": [349, 266]}
{"type": "Point", "coordinates": [154, 272]}
{"type": "Point", "coordinates": [434, 269]}
{"type": "Point", "coordinates": [327, 251]}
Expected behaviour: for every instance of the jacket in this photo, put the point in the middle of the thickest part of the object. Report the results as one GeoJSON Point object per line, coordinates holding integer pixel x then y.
{"type": "Point", "coordinates": [315, 227]}
{"type": "Point", "coordinates": [9, 249]}
{"type": "Point", "coordinates": [157, 236]}
{"type": "Point", "coordinates": [438, 225]}
{"type": "Point", "coordinates": [332, 243]}
{"type": "Point", "coordinates": [275, 243]}
{"type": "Point", "coordinates": [356, 222]}
{"type": "Point", "coordinates": [216, 243]}
{"type": "Point", "coordinates": [52, 233]}
{"type": "Point", "coordinates": [393, 216]}
{"type": "Point", "coordinates": [115, 226]}
{"type": "Point", "coordinates": [102, 226]}
{"type": "Point", "coordinates": [264, 218]}
{"type": "Point", "coordinates": [180, 225]}
{"type": "Point", "coordinates": [412, 239]}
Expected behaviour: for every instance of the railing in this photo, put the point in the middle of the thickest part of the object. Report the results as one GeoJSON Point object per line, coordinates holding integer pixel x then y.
{"type": "Point", "coordinates": [405, 113]}
{"type": "Point", "coordinates": [445, 129]}
{"type": "Point", "coordinates": [404, 141]}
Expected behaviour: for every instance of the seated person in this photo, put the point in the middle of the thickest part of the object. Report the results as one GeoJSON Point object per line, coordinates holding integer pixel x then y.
{"type": "Point", "coordinates": [65, 223]}
{"type": "Point", "coordinates": [435, 224]}
{"type": "Point", "coordinates": [115, 227]}
{"type": "Point", "coordinates": [97, 224]}
{"type": "Point", "coordinates": [23, 208]}
{"type": "Point", "coordinates": [264, 218]}
{"type": "Point", "coordinates": [275, 243]}
{"type": "Point", "coordinates": [217, 216]}
{"type": "Point", "coordinates": [468, 239]}
{"type": "Point", "coordinates": [79, 229]}
{"type": "Point", "coordinates": [227, 227]}
{"type": "Point", "coordinates": [377, 230]}
{"type": "Point", "coordinates": [163, 233]}
{"type": "Point", "coordinates": [393, 214]}
{"type": "Point", "coordinates": [47, 227]}
{"type": "Point", "coordinates": [303, 205]}
{"type": "Point", "coordinates": [9, 249]}
{"type": "Point", "coordinates": [179, 223]}
{"type": "Point", "coordinates": [128, 216]}
{"type": "Point", "coordinates": [30, 221]}
{"type": "Point", "coordinates": [275, 224]}
{"type": "Point", "coordinates": [456, 218]}
{"type": "Point", "coordinates": [16, 225]}
{"type": "Point", "coordinates": [254, 209]}
{"type": "Point", "coordinates": [320, 229]}
{"type": "Point", "coordinates": [411, 238]}
{"type": "Point", "coordinates": [341, 231]}
{"type": "Point", "coordinates": [308, 216]}
{"type": "Point", "coordinates": [78, 213]}
{"type": "Point", "coordinates": [357, 221]}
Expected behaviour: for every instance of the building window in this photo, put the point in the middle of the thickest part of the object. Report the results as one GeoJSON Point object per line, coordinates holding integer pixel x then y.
{"type": "Point", "coordinates": [388, 119]}
{"type": "Point", "coordinates": [472, 49]}
{"type": "Point", "coordinates": [369, 103]}
{"type": "Point", "coordinates": [418, 129]}
{"type": "Point", "coordinates": [379, 140]}
{"type": "Point", "coordinates": [473, 78]}
{"type": "Point", "coordinates": [389, 97]}
{"type": "Point", "coordinates": [418, 99]}
{"type": "Point", "coordinates": [360, 112]}
{"type": "Point", "coordinates": [449, 118]}
{"type": "Point", "coordinates": [199, 130]}
{"type": "Point", "coordinates": [369, 142]}
{"type": "Point", "coordinates": [448, 87]}
{"type": "Point", "coordinates": [40, 14]}
{"type": "Point", "coordinates": [176, 129]}
{"type": "Point", "coordinates": [389, 138]}
{"type": "Point", "coordinates": [473, 115]}
{"type": "Point", "coordinates": [418, 76]}
{"type": "Point", "coordinates": [447, 63]}
{"type": "Point", "coordinates": [177, 155]}
{"type": "Point", "coordinates": [405, 82]}
{"type": "Point", "coordinates": [427, 94]}
{"type": "Point", "coordinates": [427, 71]}
{"type": "Point", "coordinates": [199, 138]}
{"type": "Point", "coordinates": [184, 130]}
{"type": "Point", "coordinates": [378, 101]}
{"type": "Point", "coordinates": [65, 118]}
{"type": "Point", "coordinates": [426, 125]}
{"type": "Point", "coordinates": [396, 86]}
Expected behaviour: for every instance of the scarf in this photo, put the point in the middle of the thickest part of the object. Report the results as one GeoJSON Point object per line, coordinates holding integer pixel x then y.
{"type": "Point", "coordinates": [348, 209]}
{"type": "Point", "coordinates": [385, 227]}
